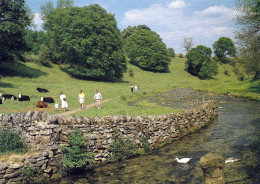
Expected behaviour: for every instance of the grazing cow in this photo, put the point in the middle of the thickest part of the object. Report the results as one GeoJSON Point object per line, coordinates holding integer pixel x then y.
{"type": "Point", "coordinates": [23, 98]}
{"type": "Point", "coordinates": [42, 90]}
{"type": "Point", "coordinates": [8, 96]}
{"type": "Point", "coordinates": [47, 99]}
{"type": "Point", "coordinates": [41, 104]}
{"type": "Point", "coordinates": [1, 101]}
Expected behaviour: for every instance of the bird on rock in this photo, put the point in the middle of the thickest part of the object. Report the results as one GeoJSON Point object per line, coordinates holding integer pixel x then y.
{"type": "Point", "coordinates": [182, 160]}
{"type": "Point", "coordinates": [232, 159]}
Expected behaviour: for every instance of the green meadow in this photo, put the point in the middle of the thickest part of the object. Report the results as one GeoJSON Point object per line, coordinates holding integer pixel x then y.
{"type": "Point", "coordinates": [24, 78]}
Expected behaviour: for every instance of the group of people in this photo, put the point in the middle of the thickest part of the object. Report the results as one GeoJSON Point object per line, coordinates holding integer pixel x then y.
{"type": "Point", "coordinates": [81, 98]}
{"type": "Point", "coordinates": [134, 87]}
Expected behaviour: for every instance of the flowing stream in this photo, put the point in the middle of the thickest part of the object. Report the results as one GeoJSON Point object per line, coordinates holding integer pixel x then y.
{"type": "Point", "coordinates": [236, 133]}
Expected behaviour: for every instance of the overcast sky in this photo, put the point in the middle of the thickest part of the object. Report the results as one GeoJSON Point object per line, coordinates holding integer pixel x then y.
{"type": "Point", "coordinates": [203, 20]}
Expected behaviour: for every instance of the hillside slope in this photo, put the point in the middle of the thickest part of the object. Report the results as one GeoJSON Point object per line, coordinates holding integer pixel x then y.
{"type": "Point", "coordinates": [25, 78]}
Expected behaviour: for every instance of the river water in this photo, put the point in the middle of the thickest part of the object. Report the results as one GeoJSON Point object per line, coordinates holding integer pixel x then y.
{"type": "Point", "coordinates": [236, 133]}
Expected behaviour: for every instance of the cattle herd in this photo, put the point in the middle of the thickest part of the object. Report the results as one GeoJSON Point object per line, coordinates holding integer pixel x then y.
{"type": "Point", "coordinates": [40, 104]}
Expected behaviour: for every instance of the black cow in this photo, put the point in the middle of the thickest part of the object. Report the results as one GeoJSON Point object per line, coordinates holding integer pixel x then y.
{"type": "Point", "coordinates": [1, 101]}
{"type": "Point", "coordinates": [23, 98]}
{"type": "Point", "coordinates": [42, 90]}
{"type": "Point", "coordinates": [8, 96]}
{"type": "Point", "coordinates": [47, 99]}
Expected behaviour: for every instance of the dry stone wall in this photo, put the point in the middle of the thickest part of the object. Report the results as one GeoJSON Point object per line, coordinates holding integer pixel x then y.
{"type": "Point", "coordinates": [44, 134]}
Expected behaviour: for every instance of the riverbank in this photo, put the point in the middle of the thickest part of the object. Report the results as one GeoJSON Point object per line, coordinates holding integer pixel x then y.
{"type": "Point", "coordinates": [47, 134]}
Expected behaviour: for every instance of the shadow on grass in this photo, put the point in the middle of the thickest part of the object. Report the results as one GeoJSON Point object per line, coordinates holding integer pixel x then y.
{"type": "Point", "coordinates": [5, 85]}
{"type": "Point", "coordinates": [19, 70]}
{"type": "Point", "coordinates": [255, 86]}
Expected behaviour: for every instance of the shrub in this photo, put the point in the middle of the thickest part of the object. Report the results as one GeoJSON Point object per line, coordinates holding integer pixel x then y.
{"type": "Point", "coordinates": [45, 56]}
{"type": "Point", "coordinates": [28, 174]}
{"type": "Point", "coordinates": [241, 77]}
{"type": "Point", "coordinates": [123, 98]}
{"type": "Point", "coordinates": [226, 72]}
{"type": "Point", "coordinates": [236, 70]}
{"type": "Point", "coordinates": [131, 73]}
{"type": "Point", "coordinates": [11, 142]}
{"type": "Point", "coordinates": [31, 58]}
{"type": "Point", "coordinates": [146, 144]}
{"type": "Point", "coordinates": [208, 70]}
{"type": "Point", "coordinates": [181, 55]}
{"type": "Point", "coordinates": [121, 149]}
{"type": "Point", "coordinates": [76, 155]}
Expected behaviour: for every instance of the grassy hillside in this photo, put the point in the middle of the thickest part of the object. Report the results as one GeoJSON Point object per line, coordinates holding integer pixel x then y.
{"type": "Point", "coordinates": [25, 78]}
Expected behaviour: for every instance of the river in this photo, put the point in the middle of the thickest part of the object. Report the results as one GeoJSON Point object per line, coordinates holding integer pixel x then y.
{"type": "Point", "coordinates": [236, 133]}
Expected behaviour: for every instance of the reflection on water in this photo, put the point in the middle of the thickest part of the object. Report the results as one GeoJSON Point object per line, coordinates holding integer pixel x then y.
{"type": "Point", "coordinates": [235, 133]}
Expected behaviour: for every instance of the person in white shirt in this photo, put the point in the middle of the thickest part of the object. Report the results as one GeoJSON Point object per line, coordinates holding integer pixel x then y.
{"type": "Point", "coordinates": [56, 106]}
{"type": "Point", "coordinates": [98, 98]}
{"type": "Point", "coordinates": [64, 103]}
{"type": "Point", "coordinates": [136, 88]}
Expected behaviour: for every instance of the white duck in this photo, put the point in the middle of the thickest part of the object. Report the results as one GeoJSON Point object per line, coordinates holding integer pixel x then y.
{"type": "Point", "coordinates": [232, 159]}
{"type": "Point", "coordinates": [182, 160]}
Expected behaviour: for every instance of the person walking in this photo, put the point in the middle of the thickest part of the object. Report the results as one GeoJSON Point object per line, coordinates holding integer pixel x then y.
{"type": "Point", "coordinates": [63, 100]}
{"type": "Point", "coordinates": [136, 88]}
{"type": "Point", "coordinates": [132, 88]}
{"type": "Point", "coordinates": [81, 99]}
{"type": "Point", "coordinates": [98, 98]}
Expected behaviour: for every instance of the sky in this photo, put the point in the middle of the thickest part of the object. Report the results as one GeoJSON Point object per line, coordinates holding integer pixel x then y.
{"type": "Point", "coordinates": [203, 20]}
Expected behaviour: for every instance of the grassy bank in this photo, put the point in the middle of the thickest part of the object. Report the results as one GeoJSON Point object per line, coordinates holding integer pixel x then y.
{"type": "Point", "coordinates": [25, 78]}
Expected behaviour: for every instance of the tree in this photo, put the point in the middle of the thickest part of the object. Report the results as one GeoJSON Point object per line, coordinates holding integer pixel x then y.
{"type": "Point", "coordinates": [171, 52]}
{"type": "Point", "coordinates": [14, 18]}
{"type": "Point", "coordinates": [88, 40]}
{"type": "Point", "coordinates": [34, 40]}
{"type": "Point", "coordinates": [222, 47]}
{"type": "Point", "coordinates": [199, 62]}
{"type": "Point", "coordinates": [146, 49]}
{"type": "Point", "coordinates": [187, 43]}
{"type": "Point", "coordinates": [248, 36]}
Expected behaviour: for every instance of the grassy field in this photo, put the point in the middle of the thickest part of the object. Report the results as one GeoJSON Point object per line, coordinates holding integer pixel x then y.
{"type": "Point", "coordinates": [25, 78]}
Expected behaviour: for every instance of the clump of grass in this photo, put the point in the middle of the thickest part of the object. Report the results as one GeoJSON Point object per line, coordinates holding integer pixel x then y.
{"type": "Point", "coordinates": [10, 142]}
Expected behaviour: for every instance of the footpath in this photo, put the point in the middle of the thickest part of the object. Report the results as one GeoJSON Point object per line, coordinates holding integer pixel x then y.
{"type": "Point", "coordinates": [85, 107]}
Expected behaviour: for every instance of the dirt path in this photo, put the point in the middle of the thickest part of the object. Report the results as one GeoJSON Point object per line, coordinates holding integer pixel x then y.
{"type": "Point", "coordinates": [86, 107]}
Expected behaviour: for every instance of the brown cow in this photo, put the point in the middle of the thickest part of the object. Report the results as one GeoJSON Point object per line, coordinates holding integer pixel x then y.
{"type": "Point", "coordinates": [41, 104]}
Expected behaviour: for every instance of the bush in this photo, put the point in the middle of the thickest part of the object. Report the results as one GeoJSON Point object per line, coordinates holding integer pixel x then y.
{"type": "Point", "coordinates": [131, 73]}
{"type": "Point", "coordinates": [241, 77]}
{"type": "Point", "coordinates": [208, 70]}
{"type": "Point", "coordinates": [10, 142]}
{"type": "Point", "coordinates": [28, 174]}
{"type": "Point", "coordinates": [226, 72]}
{"type": "Point", "coordinates": [45, 56]}
{"type": "Point", "coordinates": [146, 144]}
{"type": "Point", "coordinates": [31, 58]}
{"type": "Point", "coordinates": [121, 149]}
{"type": "Point", "coordinates": [181, 55]}
{"type": "Point", "coordinates": [76, 155]}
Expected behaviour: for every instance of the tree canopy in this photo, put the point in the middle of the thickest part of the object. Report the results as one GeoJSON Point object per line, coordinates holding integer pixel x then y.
{"type": "Point", "coordinates": [224, 47]}
{"type": "Point", "coordinates": [14, 18]}
{"type": "Point", "coordinates": [146, 49]}
{"type": "Point", "coordinates": [87, 39]}
{"type": "Point", "coordinates": [249, 35]}
{"type": "Point", "coordinates": [199, 62]}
